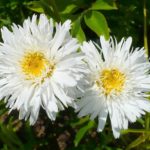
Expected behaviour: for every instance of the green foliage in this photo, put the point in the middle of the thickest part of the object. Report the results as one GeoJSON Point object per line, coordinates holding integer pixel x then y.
{"type": "Point", "coordinates": [81, 133]}
{"type": "Point", "coordinates": [97, 22]}
{"type": "Point", "coordinates": [104, 5]}
{"type": "Point", "coordinates": [90, 18]}
{"type": "Point", "coordinates": [10, 138]}
{"type": "Point", "coordinates": [76, 10]}
{"type": "Point", "coordinates": [77, 30]}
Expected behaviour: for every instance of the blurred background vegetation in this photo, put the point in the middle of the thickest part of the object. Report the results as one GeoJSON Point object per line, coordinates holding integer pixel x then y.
{"type": "Point", "coordinates": [90, 18]}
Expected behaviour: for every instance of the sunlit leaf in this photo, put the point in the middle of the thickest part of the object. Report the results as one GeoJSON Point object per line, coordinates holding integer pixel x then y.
{"type": "Point", "coordinates": [77, 30]}
{"type": "Point", "coordinates": [104, 5]}
{"type": "Point", "coordinates": [35, 6]}
{"type": "Point", "coordinates": [69, 9]}
{"type": "Point", "coordinates": [97, 23]}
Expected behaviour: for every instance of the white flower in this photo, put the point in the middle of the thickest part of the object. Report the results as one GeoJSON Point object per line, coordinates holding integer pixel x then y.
{"type": "Point", "coordinates": [39, 63]}
{"type": "Point", "coordinates": [119, 81]}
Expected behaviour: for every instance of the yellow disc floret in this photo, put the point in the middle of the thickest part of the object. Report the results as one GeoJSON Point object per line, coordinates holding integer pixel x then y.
{"type": "Point", "coordinates": [111, 80]}
{"type": "Point", "coordinates": [35, 64]}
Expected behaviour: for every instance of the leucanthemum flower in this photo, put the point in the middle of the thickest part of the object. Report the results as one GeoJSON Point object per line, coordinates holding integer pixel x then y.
{"type": "Point", "coordinates": [39, 63]}
{"type": "Point", "coordinates": [118, 83]}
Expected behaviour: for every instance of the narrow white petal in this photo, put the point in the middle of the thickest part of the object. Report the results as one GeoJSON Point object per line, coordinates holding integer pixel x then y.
{"type": "Point", "coordinates": [102, 119]}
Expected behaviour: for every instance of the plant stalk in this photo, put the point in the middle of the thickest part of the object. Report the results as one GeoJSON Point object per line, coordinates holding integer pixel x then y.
{"type": "Point", "coordinates": [147, 117]}
{"type": "Point", "coordinates": [145, 27]}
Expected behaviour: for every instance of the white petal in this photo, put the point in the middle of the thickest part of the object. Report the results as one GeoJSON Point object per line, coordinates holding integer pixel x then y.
{"type": "Point", "coordinates": [64, 79]}
{"type": "Point", "coordinates": [116, 132]}
{"type": "Point", "coordinates": [102, 119]}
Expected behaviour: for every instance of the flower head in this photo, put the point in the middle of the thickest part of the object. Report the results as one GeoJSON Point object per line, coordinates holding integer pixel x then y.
{"type": "Point", "coordinates": [39, 63]}
{"type": "Point", "coordinates": [118, 83]}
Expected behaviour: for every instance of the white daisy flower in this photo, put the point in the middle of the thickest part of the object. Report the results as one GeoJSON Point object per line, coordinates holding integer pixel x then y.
{"type": "Point", "coordinates": [39, 63]}
{"type": "Point", "coordinates": [119, 81]}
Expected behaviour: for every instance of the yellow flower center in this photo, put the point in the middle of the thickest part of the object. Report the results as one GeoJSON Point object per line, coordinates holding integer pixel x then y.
{"type": "Point", "coordinates": [34, 65]}
{"type": "Point", "coordinates": [111, 80]}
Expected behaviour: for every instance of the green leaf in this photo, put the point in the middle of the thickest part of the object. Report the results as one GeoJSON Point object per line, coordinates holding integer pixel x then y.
{"type": "Point", "coordinates": [35, 6]}
{"type": "Point", "coordinates": [80, 134]}
{"type": "Point", "coordinates": [77, 30]}
{"type": "Point", "coordinates": [104, 5]}
{"type": "Point", "coordinates": [97, 23]}
{"type": "Point", "coordinates": [69, 9]}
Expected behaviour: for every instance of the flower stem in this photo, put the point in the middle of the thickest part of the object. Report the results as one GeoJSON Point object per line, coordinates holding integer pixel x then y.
{"type": "Point", "coordinates": [147, 117]}
{"type": "Point", "coordinates": [135, 131]}
{"type": "Point", "coordinates": [147, 121]}
{"type": "Point", "coordinates": [145, 26]}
